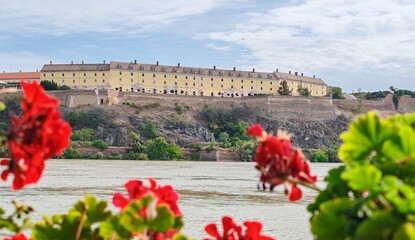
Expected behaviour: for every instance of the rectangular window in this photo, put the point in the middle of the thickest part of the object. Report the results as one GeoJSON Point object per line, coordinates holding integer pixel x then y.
{"type": "Point", "coordinates": [252, 87]}
{"type": "Point", "coordinates": [194, 84]}
{"type": "Point", "coordinates": [242, 87]}
{"type": "Point", "coordinates": [84, 74]}
{"type": "Point", "coordinates": [185, 84]}
{"type": "Point", "coordinates": [103, 80]}
{"type": "Point", "coordinates": [142, 74]}
{"type": "Point", "coordinates": [201, 84]}
{"type": "Point", "coordinates": [164, 82]}
{"type": "Point", "coordinates": [211, 79]}
{"type": "Point", "coordinates": [120, 73]}
{"type": "Point", "coordinates": [45, 75]}
{"type": "Point", "coordinates": [63, 81]}
{"type": "Point", "coordinates": [211, 85]}
{"type": "Point", "coordinates": [164, 75]}
{"type": "Point", "coordinates": [194, 78]}
{"type": "Point", "coordinates": [84, 81]}
{"type": "Point", "coordinates": [154, 75]}
{"type": "Point", "coordinates": [175, 76]}
{"type": "Point", "coordinates": [132, 80]}
{"type": "Point", "coordinates": [186, 77]}
{"type": "Point", "coordinates": [63, 74]}
{"type": "Point", "coordinates": [95, 74]}
{"type": "Point", "coordinates": [103, 74]}
{"type": "Point", "coordinates": [73, 81]}
{"type": "Point", "coordinates": [52, 74]}
{"type": "Point", "coordinates": [132, 74]}
{"type": "Point", "coordinates": [142, 81]}
{"type": "Point", "coordinates": [175, 83]}
{"type": "Point", "coordinates": [95, 80]}
{"type": "Point", "coordinates": [120, 79]}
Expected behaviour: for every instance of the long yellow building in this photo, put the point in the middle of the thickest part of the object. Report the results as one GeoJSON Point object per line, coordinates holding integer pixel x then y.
{"type": "Point", "coordinates": [163, 79]}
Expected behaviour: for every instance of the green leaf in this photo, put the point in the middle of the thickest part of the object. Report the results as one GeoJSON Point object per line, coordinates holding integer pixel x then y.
{"type": "Point", "coordinates": [180, 236]}
{"type": "Point", "coordinates": [336, 187]}
{"type": "Point", "coordinates": [403, 147]}
{"type": "Point", "coordinates": [363, 178]}
{"type": "Point", "coordinates": [112, 228]}
{"type": "Point", "coordinates": [381, 225]}
{"type": "Point", "coordinates": [366, 135]}
{"type": "Point", "coordinates": [405, 232]}
{"type": "Point", "coordinates": [163, 221]}
{"type": "Point", "coordinates": [331, 221]}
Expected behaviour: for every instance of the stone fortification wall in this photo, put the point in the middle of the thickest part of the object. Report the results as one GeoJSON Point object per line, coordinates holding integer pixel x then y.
{"type": "Point", "coordinates": [289, 107]}
{"type": "Point", "coordinates": [75, 98]}
{"type": "Point", "coordinates": [197, 103]}
{"type": "Point", "coordinates": [406, 104]}
{"type": "Point", "coordinates": [220, 154]}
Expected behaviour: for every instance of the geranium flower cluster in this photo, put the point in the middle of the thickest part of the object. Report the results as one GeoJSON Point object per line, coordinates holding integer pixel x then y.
{"type": "Point", "coordinates": [279, 163]}
{"type": "Point", "coordinates": [38, 135]}
{"type": "Point", "coordinates": [231, 231]}
{"type": "Point", "coordinates": [164, 195]}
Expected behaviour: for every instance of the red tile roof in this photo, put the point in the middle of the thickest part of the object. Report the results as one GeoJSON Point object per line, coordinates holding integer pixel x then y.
{"type": "Point", "coordinates": [20, 76]}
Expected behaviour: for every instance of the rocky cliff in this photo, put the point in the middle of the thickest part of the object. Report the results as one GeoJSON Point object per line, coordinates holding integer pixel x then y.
{"type": "Point", "coordinates": [314, 122]}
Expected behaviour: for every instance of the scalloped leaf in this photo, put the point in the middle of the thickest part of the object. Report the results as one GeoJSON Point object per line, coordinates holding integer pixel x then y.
{"type": "Point", "coordinates": [331, 221]}
{"type": "Point", "coordinates": [363, 178]}
{"type": "Point", "coordinates": [366, 135]}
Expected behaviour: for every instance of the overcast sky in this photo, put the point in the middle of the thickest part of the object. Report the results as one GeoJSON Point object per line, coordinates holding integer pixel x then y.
{"type": "Point", "coordinates": [354, 44]}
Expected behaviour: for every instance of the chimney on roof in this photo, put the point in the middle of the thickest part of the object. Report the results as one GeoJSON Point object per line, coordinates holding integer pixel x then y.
{"type": "Point", "coordinates": [157, 63]}
{"type": "Point", "coordinates": [178, 64]}
{"type": "Point", "coordinates": [214, 67]}
{"type": "Point", "coordinates": [37, 70]}
{"type": "Point", "coordinates": [289, 72]}
{"type": "Point", "coordinates": [234, 68]}
{"type": "Point", "coordinates": [314, 76]}
{"type": "Point", "coordinates": [135, 61]}
{"type": "Point", "coordinates": [302, 74]}
{"type": "Point", "coordinates": [253, 69]}
{"type": "Point", "coordinates": [103, 61]}
{"type": "Point", "coordinates": [50, 62]}
{"type": "Point", "coordinates": [276, 70]}
{"type": "Point", "coordinates": [296, 73]}
{"type": "Point", "coordinates": [71, 62]}
{"type": "Point", "coordinates": [20, 70]}
{"type": "Point", "coordinates": [82, 61]}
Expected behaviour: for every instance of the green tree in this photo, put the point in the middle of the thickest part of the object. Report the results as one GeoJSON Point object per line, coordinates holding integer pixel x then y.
{"type": "Point", "coordinates": [159, 149]}
{"type": "Point", "coordinates": [49, 85]}
{"type": "Point", "coordinates": [319, 156]}
{"type": "Point", "coordinates": [303, 91]}
{"type": "Point", "coordinates": [101, 144]}
{"type": "Point", "coordinates": [337, 93]}
{"type": "Point", "coordinates": [283, 89]}
{"type": "Point", "coordinates": [148, 130]}
{"type": "Point", "coordinates": [135, 144]}
{"type": "Point", "coordinates": [63, 87]}
{"type": "Point", "coordinates": [84, 134]}
{"type": "Point", "coordinates": [245, 149]}
{"type": "Point", "coordinates": [71, 153]}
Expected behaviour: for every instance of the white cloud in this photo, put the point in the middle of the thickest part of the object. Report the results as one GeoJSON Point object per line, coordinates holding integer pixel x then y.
{"type": "Point", "coordinates": [217, 47]}
{"type": "Point", "coordinates": [80, 16]}
{"type": "Point", "coordinates": [340, 36]}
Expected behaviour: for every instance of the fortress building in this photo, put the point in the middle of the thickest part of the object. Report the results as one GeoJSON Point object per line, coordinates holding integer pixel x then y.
{"type": "Point", "coordinates": [178, 80]}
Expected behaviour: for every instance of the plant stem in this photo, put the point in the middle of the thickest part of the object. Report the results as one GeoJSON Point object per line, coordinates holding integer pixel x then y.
{"type": "Point", "coordinates": [308, 185]}
{"type": "Point", "coordinates": [83, 218]}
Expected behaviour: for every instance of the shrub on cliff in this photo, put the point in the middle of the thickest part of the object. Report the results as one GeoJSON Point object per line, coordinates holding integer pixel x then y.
{"type": "Point", "coordinates": [100, 144]}
{"type": "Point", "coordinates": [159, 149]}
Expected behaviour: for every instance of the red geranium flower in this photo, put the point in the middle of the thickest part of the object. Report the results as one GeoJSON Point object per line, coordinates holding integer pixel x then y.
{"type": "Point", "coordinates": [19, 236]}
{"type": "Point", "coordinates": [136, 190]}
{"type": "Point", "coordinates": [36, 136]}
{"type": "Point", "coordinates": [278, 161]}
{"type": "Point", "coordinates": [231, 231]}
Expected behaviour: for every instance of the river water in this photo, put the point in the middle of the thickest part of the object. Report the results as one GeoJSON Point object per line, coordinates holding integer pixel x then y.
{"type": "Point", "coordinates": [208, 190]}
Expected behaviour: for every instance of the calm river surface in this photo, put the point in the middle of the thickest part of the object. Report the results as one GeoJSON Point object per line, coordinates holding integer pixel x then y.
{"type": "Point", "coordinates": [208, 190]}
